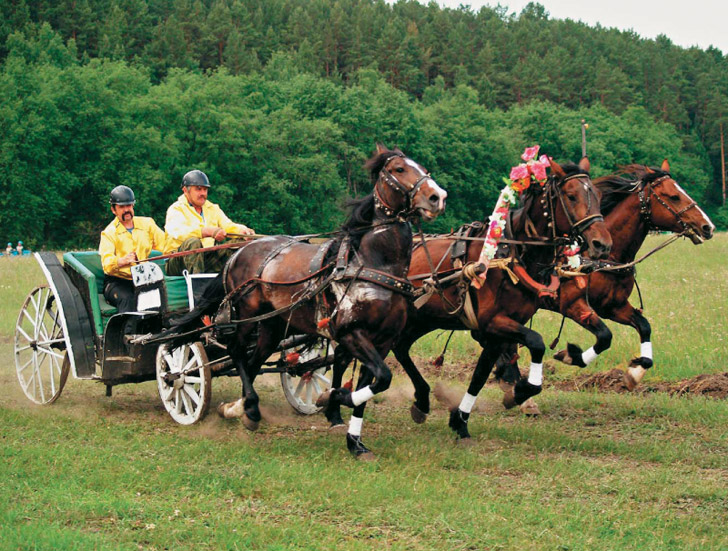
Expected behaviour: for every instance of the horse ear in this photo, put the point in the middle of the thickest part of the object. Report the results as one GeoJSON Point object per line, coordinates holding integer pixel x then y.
{"type": "Point", "coordinates": [556, 168]}
{"type": "Point", "coordinates": [381, 148]}
{"type": "Point", "coordinates": [665, 166]}
{"type": "Point", "coordinates": [584, 164]}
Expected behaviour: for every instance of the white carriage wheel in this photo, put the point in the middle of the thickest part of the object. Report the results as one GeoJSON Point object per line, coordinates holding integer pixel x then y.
{"type": "Point", "coordinates": [302, 392]}
{"type": "Point", "coordinates": [41, 361]}
{"type": "Point", "coordinates": [184, 381]}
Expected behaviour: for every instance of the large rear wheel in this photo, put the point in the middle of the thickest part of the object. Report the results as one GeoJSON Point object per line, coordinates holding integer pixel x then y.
{"type": "Point", "coordinates": [302, 392]}
{"type": "Point", "coordinates": [184, 381]}
{"type": "Point", "coordinates": [41, 361]}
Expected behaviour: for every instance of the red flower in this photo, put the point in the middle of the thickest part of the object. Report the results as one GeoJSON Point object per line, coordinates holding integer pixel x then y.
{"type": "Point", "coordinates": [518, 172]}
{"type": "Point", "coordinates": [530, 153]}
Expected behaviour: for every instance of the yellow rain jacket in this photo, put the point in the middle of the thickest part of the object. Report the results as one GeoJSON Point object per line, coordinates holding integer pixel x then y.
{"type": "Point", "coordinates": [116, 242]}
{"type": "Point", "coordinates": [184, 222]}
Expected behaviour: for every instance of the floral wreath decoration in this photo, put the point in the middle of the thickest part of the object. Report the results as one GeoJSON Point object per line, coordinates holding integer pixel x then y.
{"type": "Point", "coordinates": [522, 176]}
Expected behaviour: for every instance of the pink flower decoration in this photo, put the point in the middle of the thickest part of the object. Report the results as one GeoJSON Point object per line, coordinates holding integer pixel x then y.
{"type": "Point", "coordinates": [502, 211]}
{"type": "Point", "coordinates": [519, 172]}
{"type": "Point", "coordinates": [538, 170]}
{"type": "Point", "coordinates": [530, 153]}
{"type": "Point", "coordinates": [544, 159]}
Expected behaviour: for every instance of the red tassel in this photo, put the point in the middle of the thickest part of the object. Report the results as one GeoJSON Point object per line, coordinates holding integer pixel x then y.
{"type": "Point", "coordinates": [438, 361]}
{"type": "Point", "coordinates": [349, 385]}
{"type": "Point", "coordinates": [292, 358]}
{"type": "Point", "coordinates": [206, 320]}
{"type": "Point", "coordinates": [323, 323]}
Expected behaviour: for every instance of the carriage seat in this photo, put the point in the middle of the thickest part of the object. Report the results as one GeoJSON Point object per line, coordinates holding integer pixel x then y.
{"type": "Point", "coordinates": [84, 268]}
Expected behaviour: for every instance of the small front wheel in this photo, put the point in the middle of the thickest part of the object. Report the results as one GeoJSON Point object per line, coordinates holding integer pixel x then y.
{"type": "Point", "coordinates": [302, 392]}
{"type": "Point", "coordinates": [184, 381]}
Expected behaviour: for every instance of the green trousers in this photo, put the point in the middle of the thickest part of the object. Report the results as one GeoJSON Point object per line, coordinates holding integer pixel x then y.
{"type": "Point", "coordinates": [198, 263]}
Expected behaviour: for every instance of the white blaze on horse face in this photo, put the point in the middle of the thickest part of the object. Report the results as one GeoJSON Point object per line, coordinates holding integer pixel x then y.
{"type": "Point", "coordinates": [702, 213]}
{"type": "Point", "coordinates": [434, 188]}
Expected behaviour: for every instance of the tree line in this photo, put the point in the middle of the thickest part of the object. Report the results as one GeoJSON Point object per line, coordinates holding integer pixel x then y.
{"type": "Point", "coordinates": [281, 101]}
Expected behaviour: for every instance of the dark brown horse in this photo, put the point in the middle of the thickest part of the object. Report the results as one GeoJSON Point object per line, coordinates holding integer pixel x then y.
{"type": "Point", "coordinates": [360, 303]}
{"type": "Point", "coordinates": [568, 205]}
{"type": "Point", "coordinates": [635, 201]}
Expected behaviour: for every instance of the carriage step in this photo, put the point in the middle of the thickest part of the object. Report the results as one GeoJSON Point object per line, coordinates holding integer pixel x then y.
{"type": "Point", "coordinates": [120, 359]}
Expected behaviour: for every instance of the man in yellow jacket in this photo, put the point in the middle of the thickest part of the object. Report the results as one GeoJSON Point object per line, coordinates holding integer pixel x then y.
{"type": "Point", "coordinates": [194, 222]}
{"type": "Point", "coordinates": [124, 241]}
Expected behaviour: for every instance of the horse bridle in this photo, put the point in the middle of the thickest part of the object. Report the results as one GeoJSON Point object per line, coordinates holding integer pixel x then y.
{"type": "Point", "coordinates": [408, 193]}
{"type": "Point", "coordinates": [578, 227]}
{"type": "Point", "coordinates": [646, 190]}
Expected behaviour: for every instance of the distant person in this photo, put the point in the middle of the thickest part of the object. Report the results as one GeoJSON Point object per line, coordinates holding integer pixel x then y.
{"type": "Point", "coordinates": [194, 222]}
{"type": "Point", "coordinates": [124, 241]}
{"type": "Point", "coordinates": [19, 248]}
{"type": "Point", "coordinates": [9, 250]}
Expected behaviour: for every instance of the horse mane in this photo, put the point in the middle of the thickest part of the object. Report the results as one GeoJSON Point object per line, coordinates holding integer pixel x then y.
{"type": "Point", "coordinates": [617, 187]}
{"type": "Point", "coordinates": [361, 211]}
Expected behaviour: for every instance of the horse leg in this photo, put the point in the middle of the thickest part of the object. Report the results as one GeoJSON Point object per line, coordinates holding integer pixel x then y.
{"type": "Point", "coordinates": [460, 415]}
{"type": "Point", "coordinates": [421, 407]}
{"type": "Point", "coordinates": [353, 436]}
{"type": "Point", "coordinates": [361, 347]}
{"type": "Point", "coordinates": [581, 313]}
{"type": "Point", "coordinates": [342, 357]}
{"type": "Point", "coordinates": [507, 373]}
{"type": "Point", "coordinates": [628, 315]}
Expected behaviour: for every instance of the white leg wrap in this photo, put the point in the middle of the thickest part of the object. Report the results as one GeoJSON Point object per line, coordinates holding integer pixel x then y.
{"type": "Point", "coordinates": [646, 350]}
{"type": "Point", "coordinates": [535, 374]}
{"type": "Point", "coordinates": [589, 356]}
{"type": "Point", "coordinates": [361, 395]}
{"type": "Point", "coordinates": [466, 405]}
{"type": "Point", "coordinates": [355, 425]}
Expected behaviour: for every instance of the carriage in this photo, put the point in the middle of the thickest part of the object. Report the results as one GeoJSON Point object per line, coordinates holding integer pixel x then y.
{"type": "Point", "coordinates": [66, 326]}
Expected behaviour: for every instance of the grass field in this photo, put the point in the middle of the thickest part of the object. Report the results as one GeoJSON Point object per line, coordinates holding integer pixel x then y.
{"type": "Point", "coordinates": [595, 471]}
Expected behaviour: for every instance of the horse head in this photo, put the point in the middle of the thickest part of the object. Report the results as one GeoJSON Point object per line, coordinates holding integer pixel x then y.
{"type": "Point", "coordinates": [667, 206]}
{"type": "Point", "coordinates": [574, 203]}
{"type": "Point", "coordinates": [403, 188]}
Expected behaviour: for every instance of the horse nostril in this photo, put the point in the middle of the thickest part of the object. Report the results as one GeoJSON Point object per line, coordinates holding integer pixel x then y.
{"type": "Point", "coordinates": [434, 199]}
{"type": "Point", "coordinates": [707, 231]}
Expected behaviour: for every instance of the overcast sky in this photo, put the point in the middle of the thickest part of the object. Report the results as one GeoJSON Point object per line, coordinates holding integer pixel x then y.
{"type": "Point", "coordinates": [687, 23]}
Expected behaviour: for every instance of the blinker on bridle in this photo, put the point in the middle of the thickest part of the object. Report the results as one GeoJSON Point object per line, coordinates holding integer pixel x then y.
{"type": "Point", "coordinates": [577, 227]}
{"type": "Point", "coordinates": [648, 189]}
{"type": "Point", "coordinates": [409, 194]}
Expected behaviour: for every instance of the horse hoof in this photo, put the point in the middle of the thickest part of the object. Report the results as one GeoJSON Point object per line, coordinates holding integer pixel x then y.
{"type": "Point", "coordinates": [323, 399]}
{"type": "Point", "coordinates": [530, 408]}
{"type": "Point", "coordinates": [418, 416]}
{"type": "Point", "coordinates": [340, 428]}
{"type": "Point", "coordinates": [633, 376]}
{"type": "Point", "coordinates": [563, 357]}
{"type": "Point", "coordinates": [230, 410]}
{"type": "Point", "coordinates": [249, 423]}
{"type": "Point", "coordinates": [464, 442]}
{"type": "Point", "coordinates": [509, 399]}
{"type": "Point", "coordinates": [505, 386]}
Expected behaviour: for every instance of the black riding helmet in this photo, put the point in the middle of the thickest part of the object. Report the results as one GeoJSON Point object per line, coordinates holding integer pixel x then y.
{"type": "Point", "coordinates": [122, 195]}
{"type": "Point", "coordinates": [195, 178]}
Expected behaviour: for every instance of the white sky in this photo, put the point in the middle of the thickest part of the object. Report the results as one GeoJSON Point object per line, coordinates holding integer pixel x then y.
{"type": "Point", "coordinates": [686, 23]}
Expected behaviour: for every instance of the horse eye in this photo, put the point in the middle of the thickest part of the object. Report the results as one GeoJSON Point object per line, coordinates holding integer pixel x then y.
{"type": "Point", "coordinates": [571, 198]}
{"type": "Point", "coordinates": [675, 198]}
{"type": "Point", "coordinates": [399, 169]}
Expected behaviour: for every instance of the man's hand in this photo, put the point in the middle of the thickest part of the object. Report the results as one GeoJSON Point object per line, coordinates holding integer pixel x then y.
{"type": "Point", "coordinates": [127, 260]}
{"type": "Point", "coordinates": [245, 230]}
{"type": "Point", "coordinates": [217, 233]}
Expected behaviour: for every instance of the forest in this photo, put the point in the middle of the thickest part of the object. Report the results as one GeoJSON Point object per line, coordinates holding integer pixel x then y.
{"type": "Point", "coordinates": [280, 102]}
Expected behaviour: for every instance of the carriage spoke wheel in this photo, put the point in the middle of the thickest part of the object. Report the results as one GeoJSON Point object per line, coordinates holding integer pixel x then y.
{"type": "Point", "coordinates": [183, 379]}
{"type": "Point", "coordinates": [302, 392]}
{"type": "Point", "coordinates": [41, 361]}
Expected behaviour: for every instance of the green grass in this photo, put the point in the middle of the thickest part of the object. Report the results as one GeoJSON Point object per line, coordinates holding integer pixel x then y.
{"type": "Point", "coordinates": [595, 471]}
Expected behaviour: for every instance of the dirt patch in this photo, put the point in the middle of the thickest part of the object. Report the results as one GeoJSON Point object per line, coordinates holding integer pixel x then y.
{"type": "Point", "coordinates": [714, 385]}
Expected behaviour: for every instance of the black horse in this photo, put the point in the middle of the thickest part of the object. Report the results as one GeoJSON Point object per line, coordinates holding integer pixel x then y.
{"type": "Point", "coordinates": [359, 298]}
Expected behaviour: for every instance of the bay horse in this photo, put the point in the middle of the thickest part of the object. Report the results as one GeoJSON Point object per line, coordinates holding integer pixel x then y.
{"type": "Point", "coordinates": [360, 302]}
{"type": "Point", "coordinates": [567, 205]}
{"type": "Point", "coordinates": [635, 201]}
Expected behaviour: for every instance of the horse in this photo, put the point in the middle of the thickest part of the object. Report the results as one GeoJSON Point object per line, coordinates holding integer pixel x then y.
{"type": "Point", "coordinates": [567, 205]}
{"type": "Point", "coordinates": [635, 201]}
{"type": "Point", "coordinates": [359, 302]}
